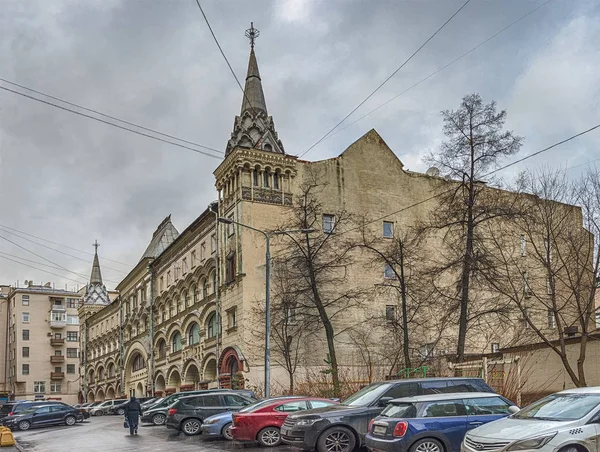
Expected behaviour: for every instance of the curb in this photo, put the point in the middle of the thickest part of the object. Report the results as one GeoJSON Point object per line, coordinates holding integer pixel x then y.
{"type": "Point", "coordinates": [18, 446]}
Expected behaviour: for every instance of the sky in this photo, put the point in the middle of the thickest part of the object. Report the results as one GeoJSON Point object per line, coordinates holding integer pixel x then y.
{"type": "Point", "coordinates": [71, 180]}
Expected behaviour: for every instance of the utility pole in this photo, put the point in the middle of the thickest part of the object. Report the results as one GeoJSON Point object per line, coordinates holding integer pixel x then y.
{"type": "Point", "coordinates": [151, 329]}
{"type": "Point", "coordinates": [214, 208]}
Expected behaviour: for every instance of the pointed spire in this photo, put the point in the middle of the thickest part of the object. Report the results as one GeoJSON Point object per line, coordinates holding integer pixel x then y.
{"type": "Point", "coordinates": [95, 292]}
{"type": "Point", "coordinates": [254, 128]}
{"type": "Point", "coordinates": [96, 277]}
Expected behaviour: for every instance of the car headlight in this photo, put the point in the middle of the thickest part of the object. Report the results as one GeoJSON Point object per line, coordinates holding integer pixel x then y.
{"type": "Point", "coordinates": [211, 421]}
{"type": "Point", "coordinates": [305, 422]}
{"type": "Point", "coordinates": [532, 443]}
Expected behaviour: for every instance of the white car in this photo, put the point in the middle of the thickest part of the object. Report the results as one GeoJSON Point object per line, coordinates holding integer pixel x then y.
{"type": "Point", "coordinates": [568, 421]}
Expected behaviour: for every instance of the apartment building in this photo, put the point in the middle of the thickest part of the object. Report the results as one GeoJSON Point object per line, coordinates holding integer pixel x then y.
{"type": "Point", "coordinates": [42, 355]}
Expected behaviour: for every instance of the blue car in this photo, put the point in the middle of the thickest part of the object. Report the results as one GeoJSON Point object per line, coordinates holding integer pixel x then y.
{"type": "Point", "coordinates": [218, 426]}
{"type": "Point", "coordinates": [434, 423]}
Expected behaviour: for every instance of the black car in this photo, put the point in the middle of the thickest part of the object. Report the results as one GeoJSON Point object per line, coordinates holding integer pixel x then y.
{"type": "Point", "coordinates": [12, 408]}
{"type": "Point", "coordinates": [120, 408]}
{"type": "Point", "coordinates": [157, 413]}
{"type": "Point", "coordinates": [39, 416]}
{"type": "Point", "coordinates": [346, 425]}
{"type": "Point", "coordinates": [188, 413]}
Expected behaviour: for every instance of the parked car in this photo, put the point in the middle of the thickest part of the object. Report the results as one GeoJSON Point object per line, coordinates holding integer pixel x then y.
{"type": "Point", "coordinates": [262, 423]}
{"type": "Point", "coordinates": [568, 421]}
{"type": "Point", "coordinates": [157, 413]}
{"type": "Point", "coordinates": [12, 408]}
{"type": "Point", "coordinates": [104, 407]}
{"type": "Point", "coordinates": [88, 406]}
{"type": "Point", "coordinates": [119, 408]}
{"type": "Point", "coordinates": [436, 423]}
{"type": "Point", "coordinates": [349, 421]}
{"type": "Point", "coordinates": [219, 425]}
{"type": "Point", "coordinates": [39, 416]}
{"type": "Point", "coordinates": [151, 402]}
{"type": "Point", "coordinates": [188, 413]}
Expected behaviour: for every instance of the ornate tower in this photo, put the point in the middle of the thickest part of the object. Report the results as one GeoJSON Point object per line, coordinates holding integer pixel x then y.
{"type": "Point", "coordinates": [95, 292]}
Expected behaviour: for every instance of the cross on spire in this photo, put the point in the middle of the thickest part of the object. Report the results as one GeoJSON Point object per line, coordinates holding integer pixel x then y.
{"type": "Point", "coordinates": [96, 245]}
{"type": "Point", "coordinates": [252, 33]}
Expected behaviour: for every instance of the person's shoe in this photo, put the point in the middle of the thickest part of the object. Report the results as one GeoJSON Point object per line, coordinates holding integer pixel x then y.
{"type": "Point", "coordinates": [135, 432]}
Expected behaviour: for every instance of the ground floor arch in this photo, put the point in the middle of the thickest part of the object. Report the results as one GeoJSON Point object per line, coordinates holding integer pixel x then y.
{"type": "Point", "coordinates": [139, 390]}
{"type": "Point", "coordinates": [91, 397]}
{"type": "Point", "coordinates": [231, 368]}
{"type": "Point", "coordinates": [173, 382]}
{"type": "Point", "coordinates": [191, 377]}
{"type": "Point", "coordinates": [100, 396]}
{"type": "Point", "coordinates": [110, 393]}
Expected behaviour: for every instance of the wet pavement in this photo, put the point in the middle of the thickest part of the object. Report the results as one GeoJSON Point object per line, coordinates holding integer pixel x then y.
{"type": "Point", "coordinates": [107, 434]}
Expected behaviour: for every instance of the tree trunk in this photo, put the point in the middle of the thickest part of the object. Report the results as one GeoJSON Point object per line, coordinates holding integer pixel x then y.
{"type": "Point", "coordinates": [405, 338]}
{"type": "Point", "coordinates": [464, 287]}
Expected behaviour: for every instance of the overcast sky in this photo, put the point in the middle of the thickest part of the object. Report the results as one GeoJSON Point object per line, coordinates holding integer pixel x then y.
{"type": "Point", "coordinates": [72, 180]}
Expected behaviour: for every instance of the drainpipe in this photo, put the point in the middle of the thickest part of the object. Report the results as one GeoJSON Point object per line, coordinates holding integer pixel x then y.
{"type": "Point", "coordinates": [214, 208]}
{"type": "Point", "coordinates": [85, 342]}
{"type": "Point", "coordinates": [152, 288]}
{"type": "Point", "coordinates": [121, 346]}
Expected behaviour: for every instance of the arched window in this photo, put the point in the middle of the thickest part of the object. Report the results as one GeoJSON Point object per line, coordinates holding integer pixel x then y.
{"type": "Point", "coordinates": [266, 177]}
{"type": "Point", "coordinates": [171, 309]}
{"type": "Point", "coordinates": [162, 349]}
{"type": "Point", "coordinates": [204, 289]}
{"type": "Point", "coordinates": [213, 279]}
{"type": "Point", "coordinates": [255, 177]}
{"type": "Point", "coordinates": [176, 342]}
{"type": "Point", "coordinates": [138, 363]}
{"type": "Point", "coordinates": [212, 326]}
{"type": "Point", "coordinates": [195, 294]}
{"type": "Point", "coordinates": [194, 334]}
{"type": "Point", "coordinates": [276, 181]}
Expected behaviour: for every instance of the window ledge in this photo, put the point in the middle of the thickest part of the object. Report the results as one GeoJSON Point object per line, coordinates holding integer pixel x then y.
{"type": "Point", "coordinates": [231, 329]}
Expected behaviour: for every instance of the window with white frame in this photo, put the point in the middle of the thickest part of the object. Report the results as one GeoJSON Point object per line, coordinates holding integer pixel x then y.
{"type": "Point", "coordinates": [495, 347]}
{"type": "Point", "coordinates": [39, 387]}
{"type": "Point", "coordinates": [549, 289]}
{"type": "Point", "coordinates": [25, 300]}
{"type": "Point", "coordinates": [328, 223]}
{"type": "Point", "coordinates": [523, 245]}
{"type": "Point", "coordinates": [276, 181]}
{"type": "Point", "coordinates": [72, 320]}
{"type": "Point", "coordinates": [551, 319]}
{"type": "Point", "coordinates": [231, 318]}
{"type": "Point", "coordinates": [388, 272]}
{"type": "Point", "coordinates": [388, 229]}
{"type": "Point", "coordinates": [426, 351]}
{"type": "Point", "coordinates": [25, 317]}
{"type": "Point", "coordinates": [25, 369]}
{"type": "Point", "coordinates": [390, 313]}
{"type": "Point", "coordinates": [72, 302]}
{"type": "Point", "coordinates": [55, 387]}
{"type": "Point", "coordinates": [526, 288]}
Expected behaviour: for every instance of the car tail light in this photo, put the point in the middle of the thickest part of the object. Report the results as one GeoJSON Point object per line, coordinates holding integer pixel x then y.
{"type": "Point", "coordinates": [400, 429]}
{"type": "Point", "coordinates": [172, 411]}
{"type": "Point", "coordinates": [371, 424]}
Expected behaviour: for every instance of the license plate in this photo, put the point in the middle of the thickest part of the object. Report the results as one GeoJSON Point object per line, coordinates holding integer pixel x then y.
{"type": "Point", "coordinates": [379, 429]}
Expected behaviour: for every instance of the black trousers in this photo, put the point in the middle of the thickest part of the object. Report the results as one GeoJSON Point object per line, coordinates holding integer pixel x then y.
{"type": "Point", "coordinates": [133, 419]}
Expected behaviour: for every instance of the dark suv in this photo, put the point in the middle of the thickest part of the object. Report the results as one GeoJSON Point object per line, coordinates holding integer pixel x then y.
{"type": "Point", "coordinates": [43, 415]}
{"type": "Point", "coordinates": [13, 408]}
{"type": "Point", "coordinates": [344, 426]}
{"type": "Point", "coordinates": [188, 413]}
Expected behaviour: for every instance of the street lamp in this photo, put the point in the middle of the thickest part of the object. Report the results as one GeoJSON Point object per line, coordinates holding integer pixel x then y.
{"type": "Point", "coordinates": [268, 236]}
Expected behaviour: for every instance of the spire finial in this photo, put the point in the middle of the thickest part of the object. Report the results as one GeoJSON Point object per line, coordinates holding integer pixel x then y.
{"type": "Point", "coordinates": [252, 33]}
{"type": "Point", "coordinates": [96, 245]}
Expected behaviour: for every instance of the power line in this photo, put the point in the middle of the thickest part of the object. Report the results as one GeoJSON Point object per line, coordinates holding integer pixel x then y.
{"type": "Point", "coordinates": [59, 251]}
{"type": "Point", "coordinates": [387, 79]}
{"type": "Point", "coordinates": [423, 201]}
{"type": "Point", "coordinates": [110, 123]}
{"type": "Point", "coordinates": [109, 116]}
{"type": "Point", "coordinates": [439, 70]}
{"type": "Point", "coordinates": [38, 263]}
{"type": "Point", "coordinates": [42, 270]}
{"type": "Point", "coordinates": [65, 246]}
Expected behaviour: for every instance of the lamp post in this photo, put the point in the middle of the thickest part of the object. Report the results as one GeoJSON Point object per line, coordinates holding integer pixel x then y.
{"type": "Point", "coordinates": [268, 236]}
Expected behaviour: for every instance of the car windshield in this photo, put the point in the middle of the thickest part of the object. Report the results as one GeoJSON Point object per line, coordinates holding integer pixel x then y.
{"type": "Point", "coordinates": [403, 410]}
{"type": "Point", "coordinates": [367, 395]}
{"type": "Point", "coordinates": [560, 407]}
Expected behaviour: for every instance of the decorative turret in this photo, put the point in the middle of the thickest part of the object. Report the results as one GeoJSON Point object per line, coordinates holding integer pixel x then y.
{"type": "Point", "coordinates": [95, 292]}
{"type": "Point", "coordinates": [254, 128]}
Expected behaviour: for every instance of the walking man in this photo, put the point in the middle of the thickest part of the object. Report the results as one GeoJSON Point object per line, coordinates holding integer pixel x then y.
{"type": "Point", "coordinates": [133, 411]}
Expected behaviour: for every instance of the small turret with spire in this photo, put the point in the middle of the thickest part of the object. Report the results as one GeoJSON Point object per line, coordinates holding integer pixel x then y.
{"type": "Point", "coordinates": [254, 128]}
{"type": "Point", "coordinates": [95, 292]}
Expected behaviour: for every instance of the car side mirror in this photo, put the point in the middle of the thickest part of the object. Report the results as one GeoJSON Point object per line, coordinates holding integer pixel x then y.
{"type": "Point", "coordinates": [384, 401]}
{"type": "Point", "coordinates": [513, 409]}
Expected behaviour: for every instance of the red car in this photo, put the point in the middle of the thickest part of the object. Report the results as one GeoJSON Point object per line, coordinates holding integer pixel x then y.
{"type": "Point", "coordinates": [261, 422]}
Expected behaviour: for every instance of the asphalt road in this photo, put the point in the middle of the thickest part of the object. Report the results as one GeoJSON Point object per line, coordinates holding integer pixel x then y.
{"type": "Point", "coordinates": [107, 434]}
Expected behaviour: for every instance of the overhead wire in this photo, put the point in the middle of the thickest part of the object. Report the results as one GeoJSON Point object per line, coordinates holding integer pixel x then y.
{"type": "Point", "coordinates": [91, 110]}
{"type": "Point", "coordinates": [440, 69]}
{"type": "Point", "coordinates": [38, 263]}
{"type": "Point", "coordinates": [59, 251]}
{"type": "Point", "coordinates": [42, 270]}
{"type": "Point", "coordinates": [111, 123]}
{"type": "Point", "coordinates": [65, 246]}
{"type": "Point", "coordinates": [387, 79]}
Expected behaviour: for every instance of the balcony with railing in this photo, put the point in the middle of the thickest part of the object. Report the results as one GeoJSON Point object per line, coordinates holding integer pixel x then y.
{"type": "Point", "coordinates": [57, 341]}
{"type": "Point", "coordinates": [57, 375]}
{"type": "Point", "coordinates": [57, 359]}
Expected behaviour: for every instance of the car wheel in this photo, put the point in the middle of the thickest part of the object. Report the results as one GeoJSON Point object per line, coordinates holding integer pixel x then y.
{"type": "Point", "coordinates": [121, 411]}
{"type": "Point", "coordinates": [427, 445]}
{"type": "Point", "coordinates": [191, 427]}
{"type": "Point", "coordinates": [336, 439]}
{"type": "Point", "coordinates": [24, 425]}
{"type": "Point", "coordinates": [99, 413]}
{"type": "Point", "coordinates": [159, 419]}
{"type": "Point", "coordinates": [569, 449]}
{"type": "Point", "coordinates": [226, 432]}
{"type": "Point", "coordinates": [269, 437]}
{"type": "Point", "coordinates": [70, 420]}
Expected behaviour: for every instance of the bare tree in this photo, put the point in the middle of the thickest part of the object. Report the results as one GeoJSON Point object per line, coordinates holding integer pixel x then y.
{"type": "Point", "coordinates": [551, 273]}
{"type": "Point", "coordinates": [320, 264]}
{"type": "Point", "coordinates": [475, 143]}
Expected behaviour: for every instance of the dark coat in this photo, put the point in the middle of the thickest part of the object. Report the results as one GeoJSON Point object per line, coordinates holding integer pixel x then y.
{"type": "Point", "coordinates": [133, 408]}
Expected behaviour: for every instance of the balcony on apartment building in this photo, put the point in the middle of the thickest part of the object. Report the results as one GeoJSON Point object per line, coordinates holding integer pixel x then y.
{"type": "Point", "coordinates": [57, 359]}
{"type": "Point", "coordinates": [57, 341]}
{"type": "Point", "coordinates": [57, 375]}
{"type": "Point", "coordinates": [58, 317]}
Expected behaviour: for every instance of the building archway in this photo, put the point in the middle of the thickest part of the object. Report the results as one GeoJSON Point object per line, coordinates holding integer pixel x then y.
{"type": "Point", "coordinates": [174, 382]}
{"type": "Point", "coordinates": [192, 377]}
{"type": "Point", "coordinates": [159, 385]}
{"type": "Point", "coordinates": [91, 398]}
{"type": "Point", "coordinates": [139, 390]}
{"type": "Point", "coordinates": [100, 396]}
{"type": "Point", "coordinates": [110, 393]}
{"type": "Point", "coordinates": [230, 368]}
